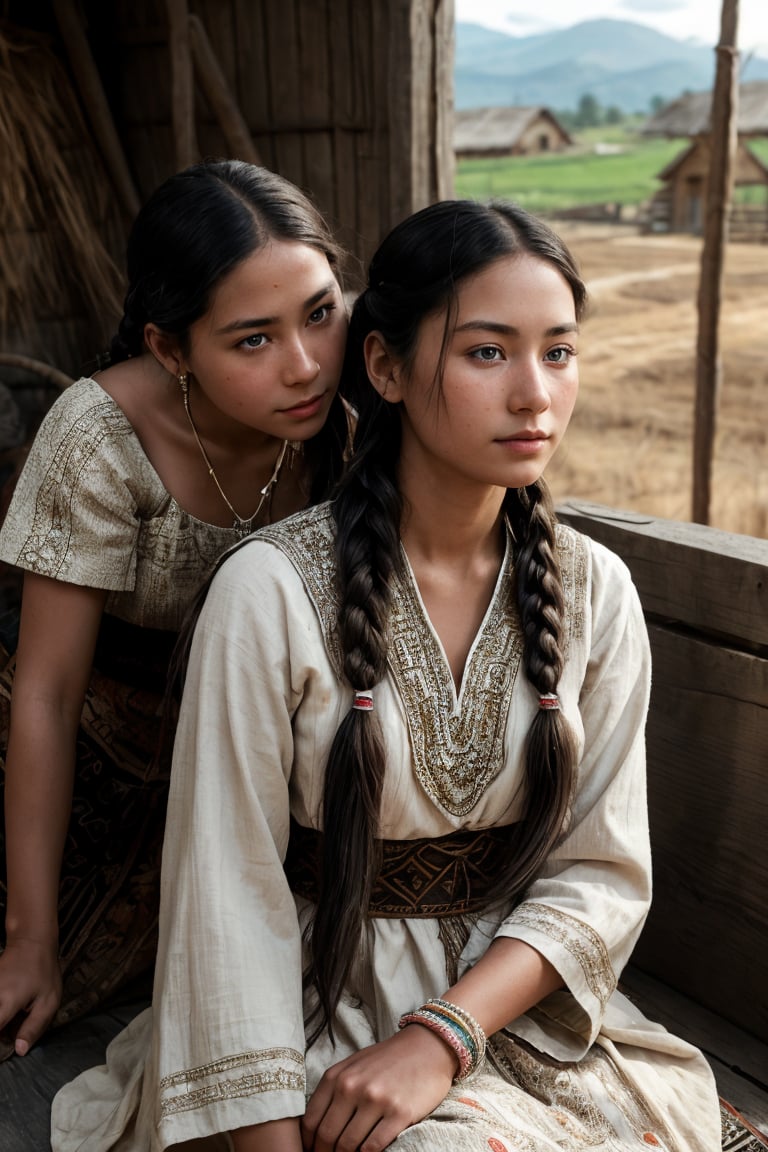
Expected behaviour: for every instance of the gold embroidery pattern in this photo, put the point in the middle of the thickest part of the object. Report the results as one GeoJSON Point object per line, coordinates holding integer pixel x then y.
{"type": "Point", "coordinates": [577, 938]}
{"type": "Point", "coordinates": [250, 1083]}
{"type": "Point", "coordinates": [307, 539]}
{"type": "Point", "coordinates": [456, 755]}
{"type": "Point", "coordinates": [572, 557]}
{"type": "Point", "coordinates": [47, 546]}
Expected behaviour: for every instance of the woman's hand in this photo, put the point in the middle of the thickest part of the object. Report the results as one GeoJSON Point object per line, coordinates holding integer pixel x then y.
{"type": "Point", "coordinates": [367, 1100]}
{"type": "Point", "coordinates": [30, 984]}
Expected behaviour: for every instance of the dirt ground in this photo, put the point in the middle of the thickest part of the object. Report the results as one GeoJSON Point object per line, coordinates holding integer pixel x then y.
{"type": "Point", "coordinates": [630, 442]}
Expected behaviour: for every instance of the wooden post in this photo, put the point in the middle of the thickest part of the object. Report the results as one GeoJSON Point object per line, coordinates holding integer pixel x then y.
{"type": "Point", "coordinates": [723, 130]}
{"type": "Point", "coordinates": [88, 81]}
{"type": "Point", "coordinates": [182, 84]}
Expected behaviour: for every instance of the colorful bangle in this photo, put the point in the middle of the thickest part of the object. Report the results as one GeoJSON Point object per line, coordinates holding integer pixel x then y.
{"type": "Point", "coordinates": [463, 1019]}
{"type": "Point", "coordinates": [445, 1032]}
{"type": "Point", "coordinates": [460, 1031]}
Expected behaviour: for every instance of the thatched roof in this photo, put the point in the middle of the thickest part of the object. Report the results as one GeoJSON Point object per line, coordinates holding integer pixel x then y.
{"type": "Point", "coordinates": [689, 115]}
{"type": "Point", "coordinates": [498, 128]}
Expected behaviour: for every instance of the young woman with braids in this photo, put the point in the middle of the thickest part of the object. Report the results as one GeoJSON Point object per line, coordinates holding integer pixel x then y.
{"type": "Point", "coordinates": [225, 366]}
{"type": "Point", "coordinates": [409, 774]}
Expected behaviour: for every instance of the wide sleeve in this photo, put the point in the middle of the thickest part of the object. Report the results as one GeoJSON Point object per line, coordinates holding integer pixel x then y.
{"type": "Point", "coordinates": [73, 514]}
{"type": "Point", "coordinates": [585, 911]}
{"type": "Point", "coordinates": [229, 1034]}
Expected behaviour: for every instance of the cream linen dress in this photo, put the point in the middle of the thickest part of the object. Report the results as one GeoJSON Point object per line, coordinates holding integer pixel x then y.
{"type": "Point", "coordinates": [584, 1069]}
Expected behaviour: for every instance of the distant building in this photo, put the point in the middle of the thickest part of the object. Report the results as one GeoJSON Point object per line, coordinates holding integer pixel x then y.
{"type": "Point", "coordinates": [679, 205]}
{"type": "Point", "coordinates": [482, 132]}
{"type": "Point", "coordinates": [689, 114]}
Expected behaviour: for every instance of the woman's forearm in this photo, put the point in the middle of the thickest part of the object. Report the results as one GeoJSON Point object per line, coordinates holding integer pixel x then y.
{"type": "Point", "coordinates": [38, 803]}
{"type": "Point", "coordinates": [506, 982]}
{"type": "Point", "coordinates": [273, 1136]}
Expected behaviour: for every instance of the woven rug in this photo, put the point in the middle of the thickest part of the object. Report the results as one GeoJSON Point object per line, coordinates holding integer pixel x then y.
{"type": "Point", "coordinates": [738, 1133]}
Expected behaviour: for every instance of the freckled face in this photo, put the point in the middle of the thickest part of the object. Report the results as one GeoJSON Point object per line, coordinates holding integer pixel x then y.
{"type": "Point", "coordinates": [509, 384]}
{"type": "Point", "coordinates": [268, 351]}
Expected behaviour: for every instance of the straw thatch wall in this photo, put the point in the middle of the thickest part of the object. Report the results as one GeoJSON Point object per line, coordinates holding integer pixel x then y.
{"type": "Point", "coordinates": [60, 287]}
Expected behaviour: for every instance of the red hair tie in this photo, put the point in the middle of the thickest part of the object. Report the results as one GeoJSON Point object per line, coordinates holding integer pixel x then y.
{"type": "Point", "coordinates": [363, 702]}
{"type": "Point", "coordinates": [549, 702]}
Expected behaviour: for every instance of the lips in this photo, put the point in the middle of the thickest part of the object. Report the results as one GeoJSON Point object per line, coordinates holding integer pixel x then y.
{"type": "Point", "coordinates": [305, 407]}
{"type": "Point", "coordinates": [527, 435]}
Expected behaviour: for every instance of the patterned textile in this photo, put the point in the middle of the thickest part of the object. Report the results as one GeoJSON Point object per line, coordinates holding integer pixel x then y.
{"type": "Point", "coordinates": [738, 1133]}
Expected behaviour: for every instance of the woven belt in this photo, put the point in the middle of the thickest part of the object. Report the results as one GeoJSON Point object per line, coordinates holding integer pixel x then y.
{"type": "Point", "coordinates": [447, 876]}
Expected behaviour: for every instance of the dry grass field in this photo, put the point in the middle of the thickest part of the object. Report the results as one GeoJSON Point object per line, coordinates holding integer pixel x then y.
{"type": "Point", "coordinates": [630, 442]}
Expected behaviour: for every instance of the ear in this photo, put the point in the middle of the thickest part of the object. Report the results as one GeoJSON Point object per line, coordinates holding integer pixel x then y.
{"type": "Point", "coordinates": [165, 348]}
{"type": "Point", "coordinates": [384, 372]}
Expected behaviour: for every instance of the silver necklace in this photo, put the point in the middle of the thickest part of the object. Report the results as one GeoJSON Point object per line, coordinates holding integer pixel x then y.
{"type": "Point", "coordinates": [243, 527]}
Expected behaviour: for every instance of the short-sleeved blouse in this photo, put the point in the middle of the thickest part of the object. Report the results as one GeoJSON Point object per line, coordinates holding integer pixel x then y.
{"type": "Point", "coordinates": [90, 509]}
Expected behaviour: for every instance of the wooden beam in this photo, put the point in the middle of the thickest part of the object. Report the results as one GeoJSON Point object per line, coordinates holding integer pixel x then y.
{"type": "Point", "coordinates": [219, 96]}
{"type": "Point", "coordinates": [182, 84]}
{"type": "Point", "coordinates": [719, 189]}
{"type": "Point", "coordinates": [711, 581]}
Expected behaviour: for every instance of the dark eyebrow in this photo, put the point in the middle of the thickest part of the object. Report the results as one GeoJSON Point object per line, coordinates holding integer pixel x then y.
{"type": "Point", "coordinates": [509, 330]}
{"type": "Point", "coordinates": [265, 321]}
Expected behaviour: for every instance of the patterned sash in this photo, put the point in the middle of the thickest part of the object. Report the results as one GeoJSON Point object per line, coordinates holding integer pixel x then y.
{"type": "Point", "coordinates": [446, 876]}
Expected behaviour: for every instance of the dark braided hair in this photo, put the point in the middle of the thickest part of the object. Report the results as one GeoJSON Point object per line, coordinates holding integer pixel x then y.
{"type": "Point", "coordinates": [416, 273]}
{"type": "Point", "coordinates": [191, 233]}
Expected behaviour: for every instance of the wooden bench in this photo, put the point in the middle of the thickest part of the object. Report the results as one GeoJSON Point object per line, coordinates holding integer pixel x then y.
{"type": "Point", "coordinates": [701, 965]}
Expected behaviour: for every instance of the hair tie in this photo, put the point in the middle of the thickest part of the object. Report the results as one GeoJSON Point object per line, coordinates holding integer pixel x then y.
{"type": "Point", "coordinates": [549, 702]}
{"type": "Point", "coordinates": [363, 702]}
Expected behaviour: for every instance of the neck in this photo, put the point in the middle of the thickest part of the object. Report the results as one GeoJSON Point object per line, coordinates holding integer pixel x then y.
{"type": "Point", "coordinates": [221, 433]}
{"type": "Point", "coordinates": [455, 530]}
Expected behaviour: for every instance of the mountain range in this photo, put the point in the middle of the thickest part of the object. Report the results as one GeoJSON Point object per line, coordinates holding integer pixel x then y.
{"type": "Point", "coordinates": [620, 63]}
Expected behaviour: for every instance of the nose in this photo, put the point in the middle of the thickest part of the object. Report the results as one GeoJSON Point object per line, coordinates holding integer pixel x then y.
{"type": "Point", "coordinates": [300, 365]}
{"type": "Point", "coordinates": [528, 391]}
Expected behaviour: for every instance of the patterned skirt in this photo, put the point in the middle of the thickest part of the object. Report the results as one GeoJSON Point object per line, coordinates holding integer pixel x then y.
{"type": "Point", "coordinates": [110, 878]}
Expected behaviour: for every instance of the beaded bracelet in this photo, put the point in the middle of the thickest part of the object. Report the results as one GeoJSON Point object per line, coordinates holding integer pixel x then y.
{"type": "Point", "coordinates": [471, 1027]}
{"type": "Point", "coordinates": [457, 1028]}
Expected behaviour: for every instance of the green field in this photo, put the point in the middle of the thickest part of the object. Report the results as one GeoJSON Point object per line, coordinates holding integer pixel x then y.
{"type": "Point", "coordinates": [547, 183]}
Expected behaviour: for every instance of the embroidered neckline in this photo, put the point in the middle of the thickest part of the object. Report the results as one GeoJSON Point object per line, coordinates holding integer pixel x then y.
{"type": "Point", "coordinates": [457, 740]}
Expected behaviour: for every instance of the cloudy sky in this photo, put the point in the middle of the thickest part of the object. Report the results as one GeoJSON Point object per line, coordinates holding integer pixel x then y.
{"type": "Point", "coordinates": [684, 19]}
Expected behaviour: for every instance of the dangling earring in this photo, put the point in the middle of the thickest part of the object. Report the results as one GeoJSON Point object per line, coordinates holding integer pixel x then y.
{"type": "Point", "coordinates": [183, 379]}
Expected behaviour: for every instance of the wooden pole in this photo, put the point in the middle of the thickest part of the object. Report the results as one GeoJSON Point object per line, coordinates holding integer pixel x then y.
{"type": "Point", "coordinates": [94, 100]}
{"type": "Point", "coordinates": [723, 131]}
{"type": "Point", "coordinates": [182, 84]}
{"type": "Point", "coordinates": [219, 96]}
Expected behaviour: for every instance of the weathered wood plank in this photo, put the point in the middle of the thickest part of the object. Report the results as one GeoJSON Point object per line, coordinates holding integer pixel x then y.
{"type": "Point", "coordinates": [252, 80]}
{"type": "Point", "coordinates": [316, 100]}
{"type": "Point", "coordinates": [345, 77]}
{"type": "Point", "coordinates": [282, 63]}
{"type": "Point", "coordinates": [443, 99]}
{"type": "Point", "coordinates": [709, 580]}
{"type": "Point", "coordinates": [707, 745]}
{"type": "Point", "coordinates": [738, 1060]}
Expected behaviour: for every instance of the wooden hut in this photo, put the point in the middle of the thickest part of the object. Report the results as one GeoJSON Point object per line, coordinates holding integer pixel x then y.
{"type": "Point", "coordinates": [678, 206]}
{"type": "Point", "coordinates": [483, 132]}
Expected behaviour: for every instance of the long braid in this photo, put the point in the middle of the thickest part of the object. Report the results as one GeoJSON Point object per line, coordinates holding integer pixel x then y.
{"type": "Point", "coordinates": [550, 747]}
{"type": "Point", "coordinates": [367, 515]}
